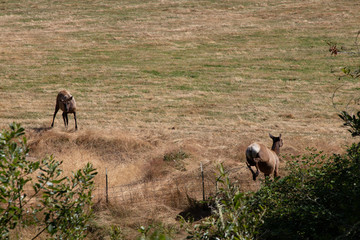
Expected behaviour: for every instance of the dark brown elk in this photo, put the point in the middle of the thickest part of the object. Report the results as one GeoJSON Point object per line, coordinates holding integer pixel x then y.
{"type": "Point", "coordinates": [263, 158]}
{"type": "Point", "coordinates": [66, 102]}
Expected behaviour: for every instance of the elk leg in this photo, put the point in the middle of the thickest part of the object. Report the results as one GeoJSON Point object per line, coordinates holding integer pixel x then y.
{"type": "Point", "coordinates": [75, 121]}
{"type": "Point", "coordinates": [257, 171]}
{"type": "Point", "coordinates": [252, 171]}
{"type": "Point", "coordinates": [276, 169]}
{"type": "Point", "coordinates": [65, 119]}
{"type": "Point", "coordinates": [56, 110]}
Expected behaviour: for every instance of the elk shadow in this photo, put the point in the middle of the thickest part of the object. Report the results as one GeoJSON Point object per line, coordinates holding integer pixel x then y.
{"type": "Point", "coordinates": [41, 129]}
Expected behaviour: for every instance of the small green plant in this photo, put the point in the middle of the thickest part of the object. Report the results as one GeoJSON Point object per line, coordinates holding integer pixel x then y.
{"type": "Point", "coordinates": [154, 232]}
{"type": "Point", "coordinates": [62, 206]}
{"type": "Point", "coordinates": [350, 120]}
{"type": "Point", "coordinates": [232, 217]}
{"type": "Point", "coordinates": [116, 233]}
{"type": "Point", "coordinates": [176, 158]}
{"type": "Point", "coordinates": [353, 122]}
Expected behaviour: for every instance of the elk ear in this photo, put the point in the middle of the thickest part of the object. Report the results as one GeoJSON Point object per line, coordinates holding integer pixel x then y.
{"type": "Point", "coordinates": [271, 135]}
{"type": "Point", "coordinates": [280, 135]}
{"type": "Point", "coordinates": [71, 97]}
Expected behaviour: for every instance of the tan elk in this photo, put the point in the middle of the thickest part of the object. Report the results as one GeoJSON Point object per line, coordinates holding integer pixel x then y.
{"type": "Point", "coordinates": [263, 158]}
{"type": "Point", "coordinates": [66, 102]}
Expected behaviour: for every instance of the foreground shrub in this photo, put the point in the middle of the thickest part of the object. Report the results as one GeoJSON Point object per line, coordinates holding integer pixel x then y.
{"type": "Point", "coordinates": [319, 199]}
{"type": "Point", "coordinates": [57, 205]}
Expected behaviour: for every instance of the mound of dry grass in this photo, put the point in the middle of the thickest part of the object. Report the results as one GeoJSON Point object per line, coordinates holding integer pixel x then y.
{"type": "Point", "coordinates": [153, 175]}
{"type": "Point", "coordinates": [118, 152]}
{"type": "Point", "coordinates": [152, 179]}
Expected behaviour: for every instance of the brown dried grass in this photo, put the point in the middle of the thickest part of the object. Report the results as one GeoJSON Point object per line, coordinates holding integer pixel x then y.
{"type": "Point", "coordinates": [204, 77]}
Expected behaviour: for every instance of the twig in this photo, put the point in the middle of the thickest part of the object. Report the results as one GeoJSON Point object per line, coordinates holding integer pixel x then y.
{"type": "Point", "coordinates": [356, 42]}
{"type": "Point", "coordinates": [333, 96]}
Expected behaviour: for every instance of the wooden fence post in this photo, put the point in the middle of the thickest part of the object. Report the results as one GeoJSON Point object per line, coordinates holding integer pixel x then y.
{"type": "Point", "coordinates": [107, 187]}
{"type": "Point", "coordinates": [202, 179]}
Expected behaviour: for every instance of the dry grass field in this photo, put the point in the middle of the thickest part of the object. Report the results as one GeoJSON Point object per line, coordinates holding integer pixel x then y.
{"type": "Point", "coordinates": [204, 78]}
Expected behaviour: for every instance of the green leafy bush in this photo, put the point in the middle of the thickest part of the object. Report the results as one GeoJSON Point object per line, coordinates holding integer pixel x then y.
{"type": "Point", "coordinates": [319, 199]}
{"type": "Point", "coordinates": [58, 205]}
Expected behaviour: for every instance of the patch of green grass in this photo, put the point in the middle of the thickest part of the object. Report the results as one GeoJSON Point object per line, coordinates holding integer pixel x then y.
{"type": "Point", "coordinates": [183, 87]}
{"type": "Point", "coordinates": [175, 156]}
{"type": "Point", "coordinates": [176, 159]}
{"type": "Point", "coordinates": [188, 74]}
{"type": "Point", "coordinates": [152, 72]}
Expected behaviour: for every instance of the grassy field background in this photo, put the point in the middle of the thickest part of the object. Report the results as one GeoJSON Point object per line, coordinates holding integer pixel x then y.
{"type": "Point", "coordinates": [153, 77]}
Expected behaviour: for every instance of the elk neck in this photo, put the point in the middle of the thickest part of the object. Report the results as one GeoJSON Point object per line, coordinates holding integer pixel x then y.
{"type": "Point", "coordinates": [276, 147]}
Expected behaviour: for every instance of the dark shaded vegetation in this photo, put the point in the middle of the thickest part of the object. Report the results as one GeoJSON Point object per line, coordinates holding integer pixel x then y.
{"type": "Point", "coordinates": [319, 199]}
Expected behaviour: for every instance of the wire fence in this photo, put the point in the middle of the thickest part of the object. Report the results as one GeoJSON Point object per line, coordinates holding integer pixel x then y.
{"type": "Point", "coordinates": [197, 184]}
{"type": "Point", "coordinates": [174, 190]}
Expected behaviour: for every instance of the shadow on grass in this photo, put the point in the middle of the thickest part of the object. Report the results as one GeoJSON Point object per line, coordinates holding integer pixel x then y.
{"type": "Point", "coordinates": [196, 210]}
{"type": "Point", "coordinates": [45, 129]}
{"type": "Point", "coordinates": [41, 129]}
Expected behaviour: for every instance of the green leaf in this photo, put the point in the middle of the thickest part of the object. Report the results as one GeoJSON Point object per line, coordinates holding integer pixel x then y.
{"type": "Point", "coordinates": [51, 229]}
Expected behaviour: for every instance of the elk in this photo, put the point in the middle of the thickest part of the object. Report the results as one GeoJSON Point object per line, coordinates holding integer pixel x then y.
{"type": "Point", "coordinates": [66, 102]}
{"type": "Point", "coordinates": [263, 158]}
